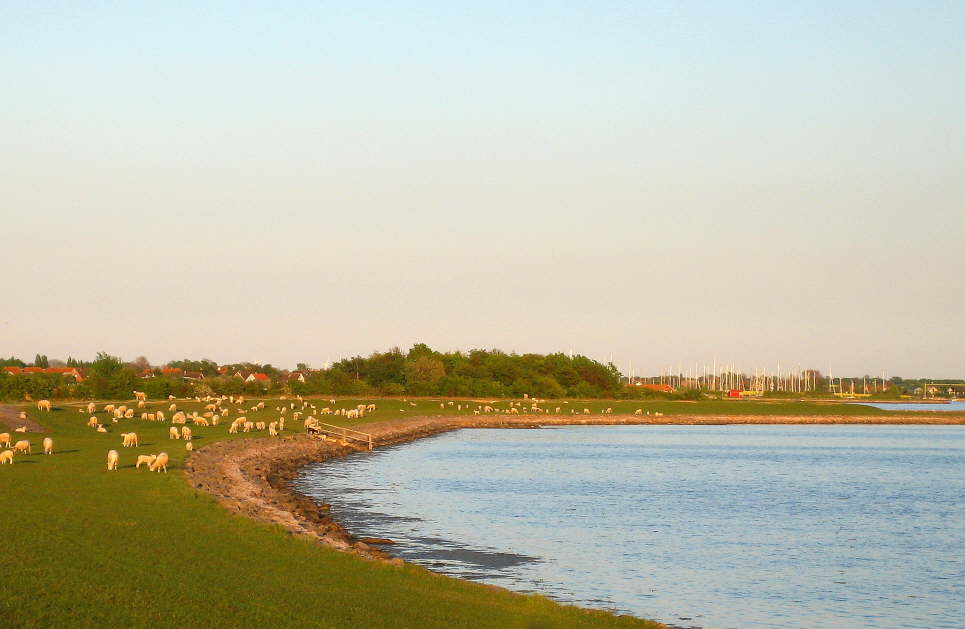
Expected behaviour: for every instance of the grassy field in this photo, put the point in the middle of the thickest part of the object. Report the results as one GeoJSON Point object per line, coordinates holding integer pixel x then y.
{"type": "Point", "coordinates": [86, 547]}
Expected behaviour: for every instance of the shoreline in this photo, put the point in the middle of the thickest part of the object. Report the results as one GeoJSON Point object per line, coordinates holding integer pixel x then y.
{"type": "Point", "coordinates": [253, 477]}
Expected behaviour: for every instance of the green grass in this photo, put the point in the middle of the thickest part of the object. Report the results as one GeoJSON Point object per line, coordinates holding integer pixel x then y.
{"type": "Point", "coordinates": [84, 547]}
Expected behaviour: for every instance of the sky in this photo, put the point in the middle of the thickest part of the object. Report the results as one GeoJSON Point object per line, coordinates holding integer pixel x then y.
{"type": "Point", "coordinates": [662, 183]}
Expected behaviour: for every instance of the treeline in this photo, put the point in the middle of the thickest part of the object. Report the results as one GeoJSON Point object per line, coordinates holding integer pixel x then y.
{"type": "Point", "coordinates": [421, 371]}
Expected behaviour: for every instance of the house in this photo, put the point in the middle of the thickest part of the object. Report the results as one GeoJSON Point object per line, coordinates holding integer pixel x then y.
{"type": "Point", "coordinates": [296, 375]}
{"type": "Point", "coordinates": [662, 388]}
{"type": "Point", "coordinates": [258, 377]}
{"type": "Point", "coordinates": [13, 371]}
{"type": "Point", "coordinates": [67, 372]}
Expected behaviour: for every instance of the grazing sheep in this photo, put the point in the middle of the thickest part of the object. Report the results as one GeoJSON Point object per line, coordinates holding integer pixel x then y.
{"type": "Point", "coordinates": [557, 410]}
{"type": "Point", "coordinates": [101, 428]}
{"type": "Point", "coordinates": [6, 457]}
{"type": "Point", "coordinates": [22, 446]}
{"type": "Point", "coordinates": [248, 426]}
{"type": "Point", "coordinates": [91, 407]}
{"type": "Point", "coordinates": [186, 433]}
{"type": "Point", "coordinates": [5, 439]}
{"type": "Point", "coordinates": [92, 422]}
{"type": "Point", "coordinates": [129, 439]}
{"type": "Point", "coordinates": [23, 415]}
{"type": "Point", "coordinates": [178, 418]}
{"type": "Point", "coordinates": [281, 424]}
{"type": "Point", "coordinates": [173, 433]}
{"type": "Point", "coordinates": [261, 406]}
{"type": "Point", "coordinates": [109, 408]}
{"type": "Point", "coordinates": [161, 462]}
{"type": "Point", "coordinates": [259, 425]}
{"type": "Point", "coordinates": [146, 459]}
{"type": "Point", "coordinates": [514, 411]}
{"type": "Point", "coordinates": [129, 413]}
{"type": "Point", "coordinates": [112, 458]}
{"type": "Point", "coordinates": [189, 446]}
{"type": "Point", "coordinates": [43, 405]}
{"type": "Point", "coordinates": [159, 416]}
{"type": "Point", "coordinates": [21, 429]}
{"type": "Point", "coordinates": [233, 428]}
{"type": "Point", "coordinates": [273, 429]}
{"type": "Point", "coordinates": [48, 445]}
{"type": "Point", "coordinates": [639, 411]}
{"type": "Point", "coordinates": [143, 416]}
{"type": "Point", "coordinates": [141, 404]}
{"type": "Point", "coordinates": [201, 421]}
{"type": "Point", "coordinates": [586, 411]}
{"type": "Point", "coordinates": [172, 408]}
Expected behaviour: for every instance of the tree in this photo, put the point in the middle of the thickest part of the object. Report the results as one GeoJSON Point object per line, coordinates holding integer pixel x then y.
{"type": "Point", "coordinates": [141, 364]}
{"type": "Point", "coordinates": [106, 365]}
{"type": "Point", "coordinates": [422, 373]}
{"type": "Point", "coordinates": [41, 361]}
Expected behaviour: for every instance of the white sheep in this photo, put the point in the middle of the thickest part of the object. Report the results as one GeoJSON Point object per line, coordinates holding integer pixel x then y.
{"type": "Point", "coordinates": [186, 434]}
{"type": "Point", "coordinates": [172, 408]}
{"type": "Point", "coordinates": [43, 405]}
{"type": "Point", "coordinates": [161, 462]}
{"type": "Point", "coordinates": [173, 433]}
{"type": "Point", "coordinates": [129, 439]}
{"type": "Point", "coordinates": [140, 396]}
{"type": "Point", "coordinates": [273, 429]}
{"type": "Point", "coordinates": [91, 407]}
{"type": "Point", "coordinates": [21, 429]}
{"type": "Point", "coordinates": [146, 459]}
{"type": "Point", "coordinates": [5, 439]}
{"type": "Point", "coordinates": [6, 457]}
{"type": "Point", "coordinates": [22, 446]}
{"type": "Point", "coordinates": [189, 446]}
{"type": "Point", "coordinates": [112, 458]}
{"type": "Point", "coordinates": [48, 445]}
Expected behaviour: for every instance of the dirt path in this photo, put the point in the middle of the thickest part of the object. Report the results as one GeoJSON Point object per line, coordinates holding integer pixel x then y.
{"type": "Point", "coordinates": [10, 417]}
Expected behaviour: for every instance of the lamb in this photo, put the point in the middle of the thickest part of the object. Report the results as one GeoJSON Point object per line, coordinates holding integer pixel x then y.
{"type": "Point", "coordinates": [43, 405]}
{"type": "Point", "coordinates": [112, 458]}
{"type": "Point", "coordinates": [6, 457]}
{"type": "Point", "coordinates": [186, 433]}
{"type": "Point", "coordinates": [21, 429]}
{"type": "Point", "coordinates": [129, 439]}
{"type": "Point", "coordinates": [161, 462]}
{"type": "Point", "coordinates": [48, 445]}
{"type": "Point", "coordinates": [101, 428]}
{"type": "Point", "coordinates": [173, 433]}
{"type": "Point", "coordinates": [146, 459]}
{"type": "Point", "coordinates": [22, 446]}
{"type": "Point", "coordinates": [5, 439]}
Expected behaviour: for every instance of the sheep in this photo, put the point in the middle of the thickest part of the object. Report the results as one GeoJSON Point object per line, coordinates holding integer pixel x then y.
{"type": "Point", "coordinates": [170, 397]}
{"type": "Point", "coordinates": [161, 462]}
{"type": "Point", "coordinates": [22, 415]}
{"type": "Point", "coordinates": [22, 446]}
{"type": "Point", "coordinates": [129, 439]}
{"type": "Point", "coordinates": [248, 426]}
{"type": "Point", "coordinates": [189, 446]}
{"type": "Point", "coordinates": [43, 405]}
{"type": "Point", "coordinates": [172, 408]}
{"type": "Point", "coordinates": [48, 445]}
{"type": "Point", "coordinates": [186, 434]}
{"type": "Point", "coordinates": [514, 411]}
{"type": "Point", "coordinates": [201, 421]}
{"type": "Point", "coordinates": [143, 416]}
{"type": "Point", "coordinates": [91, 407]}
{"type": "Point", "coordinates": [141, 404]}
{"type": "Point", "coordinates": [129, 413]}
{"type": "Point", "coordinates": [173, 433]}
{"type": "Point", "coordinates": [557, 410]}
{"type": "Point", "coordinates": [21, 429]}
{"type": "Point", "coordinates": [639, 411]}
{"type": "Point", "coordinates": [6, 457]}
{"type": "Point", "coordinates": [215, 420]}
{"type": "Point", "coordinates": [273, 429]}
{"type": "Point", "coordinates": [146, 459]}
{"type": "Point", "coordinates": [281, 424]}
{"type": "Point", "coordinates": [326, 411]}
{"type": "Point", "coordinates": [233, 428]}
{"type": "Point", "coordinates": [101, 428]}
{"type": "Point", "coordinates": [586, 411]}
{"type": "Point", "coordinates": [112, 458]}
{"type": "Point", "coordinates": [109, 408]}
{"type": "Point", "coordinates": [159, 416]}
{"type": "Point", "coordinates": [178, 418]}
{"type": "Point", "coordinates": [5, 439]}
{"type": "Point", "coordinates": [259, 425]}
{"type": "Point", "coordinates": [140, 396]}
{"type": "Point", "coordinates": [261, 406]}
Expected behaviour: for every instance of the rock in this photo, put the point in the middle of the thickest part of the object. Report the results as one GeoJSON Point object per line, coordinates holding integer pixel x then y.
{"type": "Point", "coordinates": [381, 541]}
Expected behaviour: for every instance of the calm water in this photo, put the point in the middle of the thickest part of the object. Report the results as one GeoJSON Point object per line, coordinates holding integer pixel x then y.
{"type": "Point", "coordinates": [710, 526]}
{"type": "Point", "coordinates": [913, 406]}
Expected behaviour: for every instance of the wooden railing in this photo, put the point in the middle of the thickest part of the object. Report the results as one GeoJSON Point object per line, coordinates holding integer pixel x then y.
{"type": "Point", "coordinates": [346, 433]}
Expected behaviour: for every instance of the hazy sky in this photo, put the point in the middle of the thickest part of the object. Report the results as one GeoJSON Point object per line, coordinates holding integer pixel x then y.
{"type": "Point", "coordinates": [661, 181]}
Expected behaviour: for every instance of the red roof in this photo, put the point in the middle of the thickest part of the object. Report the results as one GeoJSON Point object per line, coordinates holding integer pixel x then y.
{"type": "Point", "coordinates": [171, 371]}
{"type": "Point", "coordinates": [665, 388]}
{"type": "Point", "coordinates": [13, 370]}
{"type": "Point", "coordinates": [262, 377]}
{"type": "Point", "coordinates": [63, 371]}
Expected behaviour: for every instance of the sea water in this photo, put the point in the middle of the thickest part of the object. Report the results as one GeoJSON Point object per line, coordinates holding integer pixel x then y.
{"type": "Point", "coordinates": [706, 526]}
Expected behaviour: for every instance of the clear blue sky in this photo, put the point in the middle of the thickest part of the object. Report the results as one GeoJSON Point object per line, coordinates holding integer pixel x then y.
{"type": "Point", "coordinates": [666, 182]}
